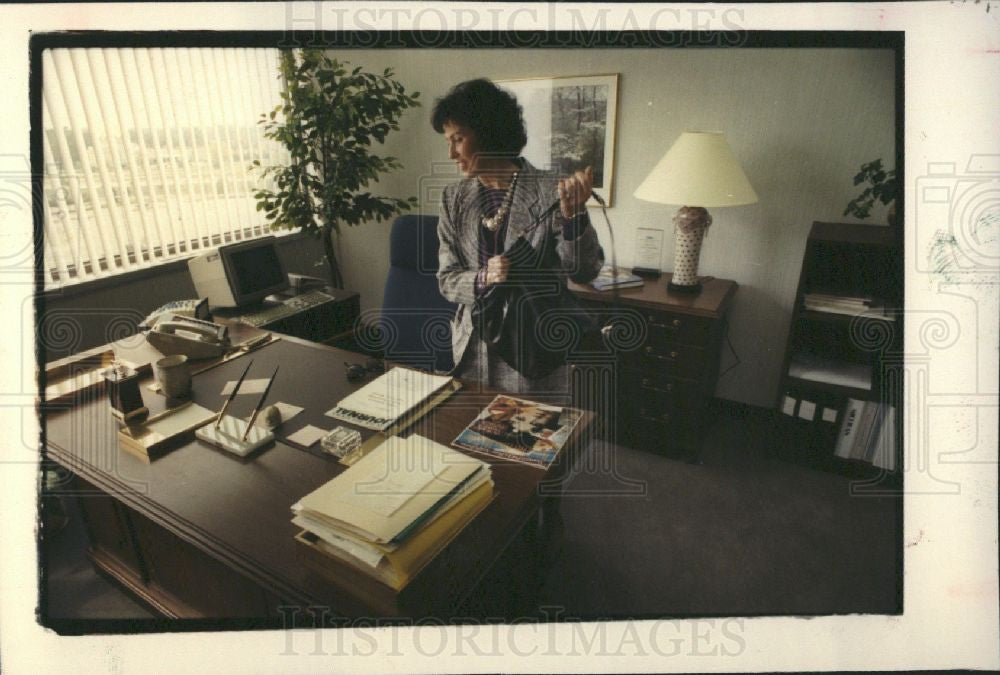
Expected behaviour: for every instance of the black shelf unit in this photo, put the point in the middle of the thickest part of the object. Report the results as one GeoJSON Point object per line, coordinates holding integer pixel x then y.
{"type": "Point", "coordinates": [853, 261]}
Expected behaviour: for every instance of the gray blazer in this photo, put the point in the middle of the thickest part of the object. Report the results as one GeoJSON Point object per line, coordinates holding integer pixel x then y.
{"type": "Point", "coordinates": [458, 232]}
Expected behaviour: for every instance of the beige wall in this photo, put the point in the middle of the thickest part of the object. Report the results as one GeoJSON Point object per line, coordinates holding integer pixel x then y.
{"type": "Point", "coordinates": [801, 122]}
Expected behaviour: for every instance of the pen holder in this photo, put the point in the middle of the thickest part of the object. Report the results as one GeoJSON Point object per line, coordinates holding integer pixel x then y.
{"type": "Point", "coordinates": [124, 395]}
{"type": "Point", "coordinates": [228, 436]}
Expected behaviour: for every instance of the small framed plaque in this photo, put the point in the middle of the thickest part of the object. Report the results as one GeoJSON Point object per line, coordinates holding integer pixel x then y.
{"type": "Point", "coordinates": [648, 252]}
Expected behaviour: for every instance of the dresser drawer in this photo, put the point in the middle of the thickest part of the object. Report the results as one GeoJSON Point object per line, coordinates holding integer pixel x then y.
{"type": "Point", "coordinates": [660, 391]}
{"type": "Point", "coordinates": [671, 327]}
{"type": "Point", "coordinates": [659, 360]}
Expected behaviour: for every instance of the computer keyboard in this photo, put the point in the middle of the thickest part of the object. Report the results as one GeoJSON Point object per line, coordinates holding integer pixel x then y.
{"type": "Point", "coordinates": [287, 308]}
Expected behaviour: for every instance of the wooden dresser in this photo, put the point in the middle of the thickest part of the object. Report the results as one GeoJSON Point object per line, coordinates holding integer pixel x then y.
{"type": "Point", "coordinates": [664, 349]}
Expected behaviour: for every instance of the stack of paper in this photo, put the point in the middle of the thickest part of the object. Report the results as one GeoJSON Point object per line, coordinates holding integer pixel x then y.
{"type": "Point", "coordinates": [842, 304]}
{"type": "Point", "coordinates": [392, 512]}
{"type": "Point", "coordinates": [392, 397]}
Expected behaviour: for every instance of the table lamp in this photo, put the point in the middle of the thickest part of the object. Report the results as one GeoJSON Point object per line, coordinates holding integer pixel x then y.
{"type": "Point", "coordinates": [698, 171]}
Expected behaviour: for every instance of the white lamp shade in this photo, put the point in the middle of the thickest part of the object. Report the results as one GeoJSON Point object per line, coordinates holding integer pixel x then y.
{"type": "Point", "coordinates": [698, 170]}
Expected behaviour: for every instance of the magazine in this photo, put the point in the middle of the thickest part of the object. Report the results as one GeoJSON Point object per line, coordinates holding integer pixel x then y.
{"type": "Point", "coordinates": [520, 430]}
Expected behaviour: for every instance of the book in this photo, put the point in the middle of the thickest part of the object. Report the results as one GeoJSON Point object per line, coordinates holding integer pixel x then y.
{"type": "Point", "coordinates": [834, 304]}
{"type": "Point", "coordinates": [846, 299]}
{"type": "Point", "coordinates": [391, 513]}
{"type": "Point", "coordinates": [875, 437]}
{"type": "Point", "coordinates": [389, 399]}
{"type": "Point", "coordinates": [866, 423]}
{"type": "Point", "coordinates": [520, 430]}
{"type": "Point", "coordinates": [848, 428]}
{"type": "Point", "coordinates": [885, 458]}
{"type": "Point", "coordinates": [606, 280]}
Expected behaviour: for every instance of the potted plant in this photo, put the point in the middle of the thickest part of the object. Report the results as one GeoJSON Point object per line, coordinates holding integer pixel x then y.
{"type": "Point", "coordinates": [881, 186]}
{"type": "Point", "coordinates": [330, 117]}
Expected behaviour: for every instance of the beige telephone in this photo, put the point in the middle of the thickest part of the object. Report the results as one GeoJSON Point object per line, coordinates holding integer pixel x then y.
{"type": "Point", "coordinates": [196, 339]}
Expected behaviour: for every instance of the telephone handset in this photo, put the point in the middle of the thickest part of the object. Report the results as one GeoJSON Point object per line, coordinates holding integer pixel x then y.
{"type": "Point", "coordinates": [196, 339]}
{"type": "Point", "coordinates": [192, 308]}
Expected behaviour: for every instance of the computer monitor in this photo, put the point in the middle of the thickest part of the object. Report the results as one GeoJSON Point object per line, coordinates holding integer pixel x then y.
{"type": "Point", "coordinates": [239, 274]}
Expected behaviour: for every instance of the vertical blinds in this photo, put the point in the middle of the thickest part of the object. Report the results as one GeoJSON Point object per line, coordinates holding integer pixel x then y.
{"type": "Point", "coordinates": [147, 154]}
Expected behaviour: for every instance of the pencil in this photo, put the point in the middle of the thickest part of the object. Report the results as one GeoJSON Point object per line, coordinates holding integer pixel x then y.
{"type": "Point", "coordinates": [232, 394]}
{"type": "Point", "coordinates": [260, 404]}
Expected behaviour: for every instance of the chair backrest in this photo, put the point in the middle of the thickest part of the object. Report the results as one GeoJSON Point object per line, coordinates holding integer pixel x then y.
{"type": "Point", "coordinates": [415, 321]}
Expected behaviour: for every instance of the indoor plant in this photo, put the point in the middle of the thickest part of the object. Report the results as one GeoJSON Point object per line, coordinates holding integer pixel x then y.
{"type": "Point", "coordinates": [881, 185]}
{"type": "Point", "coordinates": [329, 118]}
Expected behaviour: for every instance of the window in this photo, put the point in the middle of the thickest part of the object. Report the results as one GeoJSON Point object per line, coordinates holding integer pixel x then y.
{"type": "Point", "coordinates": [147, 154]}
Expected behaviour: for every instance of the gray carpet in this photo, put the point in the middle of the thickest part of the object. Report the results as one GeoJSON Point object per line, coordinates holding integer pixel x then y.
{"type": "Point", "coordinates": [644, 536]}
{"type": "Point", "coordinates": [740, 534]}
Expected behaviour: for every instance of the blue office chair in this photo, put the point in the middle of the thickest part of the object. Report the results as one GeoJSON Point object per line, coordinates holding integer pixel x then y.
{"type": "Point", "coordinates": [415, 322]}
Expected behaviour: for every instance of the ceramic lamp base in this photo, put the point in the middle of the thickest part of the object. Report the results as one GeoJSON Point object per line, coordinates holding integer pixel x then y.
{"type": "Point", "coordinates": [691, 223]}
{"type": "Point", "coordinates": [689, 289]}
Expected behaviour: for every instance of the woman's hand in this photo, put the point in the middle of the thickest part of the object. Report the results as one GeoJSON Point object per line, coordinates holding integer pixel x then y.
{"type": "Point", "coordinates": [497, 268]}
{"type": "Point", "coordinates": [575, 191]}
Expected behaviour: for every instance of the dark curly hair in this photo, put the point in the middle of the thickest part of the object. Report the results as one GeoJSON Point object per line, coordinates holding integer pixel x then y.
{"type": "Point", "coordinates": [491, 113]}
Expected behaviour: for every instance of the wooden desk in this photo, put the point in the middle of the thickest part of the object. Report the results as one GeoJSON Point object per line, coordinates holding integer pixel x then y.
{"type": "Point", "coordinates": [198, 533]}
{"type": "Point", "coordinates": [666, 360]}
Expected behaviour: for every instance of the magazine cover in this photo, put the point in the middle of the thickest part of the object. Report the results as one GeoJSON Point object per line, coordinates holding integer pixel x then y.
{"type": "Point", "coordinates": [520, 430]}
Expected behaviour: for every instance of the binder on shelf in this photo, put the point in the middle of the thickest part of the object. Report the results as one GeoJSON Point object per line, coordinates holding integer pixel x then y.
{"type": "Point", "coordinates": [885, 454]}
{"type": "Point", "coordinates": [848, 428]}
{"type": "Point", "coordinates": [875, 437]}
{"type": "Point", "coordinates": [865, 420]}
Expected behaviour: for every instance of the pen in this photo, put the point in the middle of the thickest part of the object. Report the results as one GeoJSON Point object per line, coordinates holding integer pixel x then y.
{"type": "Point", "coordinates": [232, 394]}
{"type": "Point", "coordinates": [260, 404]}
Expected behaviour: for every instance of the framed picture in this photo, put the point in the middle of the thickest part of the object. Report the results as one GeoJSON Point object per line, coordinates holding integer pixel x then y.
{"type": "Point", "coordinates": [571, 124]}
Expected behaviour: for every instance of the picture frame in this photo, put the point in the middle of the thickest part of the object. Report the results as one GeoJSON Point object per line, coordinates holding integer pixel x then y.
{"type": "Point", "coordinates": [571, 122]}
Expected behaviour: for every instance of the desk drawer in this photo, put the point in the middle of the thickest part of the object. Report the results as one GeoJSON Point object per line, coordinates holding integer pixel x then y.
{"type": "Point", "coordinates": [662, 392]}
{"type": "Point", "coordinates": [671, 327]}
{"type": "Point", "coordinates": [660, 360]}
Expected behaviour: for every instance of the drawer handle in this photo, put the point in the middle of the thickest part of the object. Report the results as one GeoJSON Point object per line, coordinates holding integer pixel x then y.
{"type": "Point", "coordinates": [663, 417]}
{"type": "Point", "coordinates": [676, 323]}
{"type": "Point", "coordinates": [672, 356]}
{"type": "Point", "coordinates": [646, 382]}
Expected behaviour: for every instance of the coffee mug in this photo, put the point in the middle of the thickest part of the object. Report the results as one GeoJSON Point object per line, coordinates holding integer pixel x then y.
{"type": "Point", "coordinates": [173, 375]}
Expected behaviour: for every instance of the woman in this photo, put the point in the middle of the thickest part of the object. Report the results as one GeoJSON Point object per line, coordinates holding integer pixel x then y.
{"type": "Point", "coordinates": [499, 199]}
